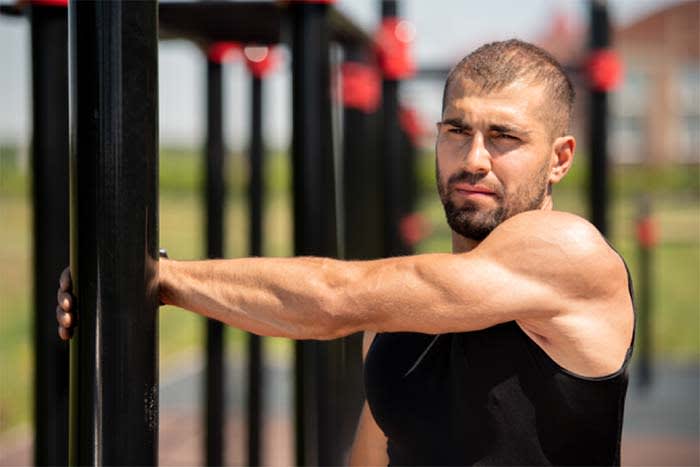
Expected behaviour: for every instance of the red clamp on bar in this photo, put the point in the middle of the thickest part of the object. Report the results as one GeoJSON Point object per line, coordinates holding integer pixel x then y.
{"type": "Point", "coordinates": [414, 227]}
{"type": "Point", "coordinates": [410, 123]}
{"type": "Point", "coordinates": [361, 86]}
{"type": "Point", "coordinates": [647, 232]}
{"type": "Point", "coordinates": [392, 42]}
{"type": "Point", "coordinates": [260, 60]}
{"type": "Point", "coordinates": [324, 2]}
{"type": "Point", "coordinates": [59, 3]}
{"type": "Point", "coordinates": [604, 69]}
{"type": "Point", "coordinates": [220, 52]}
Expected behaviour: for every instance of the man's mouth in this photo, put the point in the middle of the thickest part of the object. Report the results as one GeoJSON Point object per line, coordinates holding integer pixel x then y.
{"type": "Point", "coordinates": [473, 191]}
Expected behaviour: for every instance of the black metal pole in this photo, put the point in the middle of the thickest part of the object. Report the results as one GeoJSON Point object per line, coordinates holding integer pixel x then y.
{"type": "Point", "coordinates": [598, 124]}
{"type": "Point", "coordinates": [114, 232]}
{"type": "Point", "coordinates": [215, 198]}
{"type": "Point", "coordinates": [363, 231]}
{"type": "Point", "coordinates": [392, 169]}
{"type": "Point", "coordinates": [361, 179]}
{"type": "Point", "coordinates": [255, 200]}
{"type": "Point", "coordinates": [49, 30]}
{"type": "Point", "coordinates": [362, 235]}
{"type": "Point", "coordinates": [314, 216]}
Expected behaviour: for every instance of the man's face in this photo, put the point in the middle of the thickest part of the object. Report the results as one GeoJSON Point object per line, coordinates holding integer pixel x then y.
{"type": "Point", "coordinates": [493, 155]}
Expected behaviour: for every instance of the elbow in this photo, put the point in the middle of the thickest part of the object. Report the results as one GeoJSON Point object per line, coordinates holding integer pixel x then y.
{"type": "Point", "coordinates": [330, 311]}
{"type": "Point", "coordinates": [334, 320]}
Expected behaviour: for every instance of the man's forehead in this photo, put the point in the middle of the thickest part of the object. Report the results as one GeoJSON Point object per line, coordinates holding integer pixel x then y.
{"type": "Point", "coordinates": [464, 87]}
{"type": "Point", "coordinates": [518, 100]}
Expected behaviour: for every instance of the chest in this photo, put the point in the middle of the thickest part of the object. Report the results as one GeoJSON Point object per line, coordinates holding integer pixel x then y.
{"type": "Point", "coordinates": [450, 387]}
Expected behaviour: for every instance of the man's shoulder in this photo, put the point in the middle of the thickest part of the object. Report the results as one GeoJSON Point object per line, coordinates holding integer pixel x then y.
{"type": "Point", "coordinates": [557, 242]}
{"type": "Point", "coordinates": [555, 228]}
{"type": "Point", "coordinates": [584, 282]}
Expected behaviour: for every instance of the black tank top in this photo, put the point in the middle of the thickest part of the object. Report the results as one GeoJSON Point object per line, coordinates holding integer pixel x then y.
{"type": "Point", "coordinates": [489, 397]}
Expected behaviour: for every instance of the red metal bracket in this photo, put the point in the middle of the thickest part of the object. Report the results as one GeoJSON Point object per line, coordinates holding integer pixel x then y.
{"type": "Point", "coordinates": [393, 48]}
{"type": "Point", "coordinates": [604, 69]}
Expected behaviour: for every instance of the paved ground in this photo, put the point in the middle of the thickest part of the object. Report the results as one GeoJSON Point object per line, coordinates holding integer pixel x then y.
{"type": "Point", "coordinates": [661, 422]}
{"type": "Point", "coordinates": [661, 426]}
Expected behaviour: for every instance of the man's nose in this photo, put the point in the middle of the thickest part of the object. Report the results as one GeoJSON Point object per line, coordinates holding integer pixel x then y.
{"type": "Point", "coordinates": [477, 158]}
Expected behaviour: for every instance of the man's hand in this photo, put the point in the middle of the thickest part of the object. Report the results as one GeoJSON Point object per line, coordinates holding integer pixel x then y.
{"type": "Point", "coordinates": [64, 311]}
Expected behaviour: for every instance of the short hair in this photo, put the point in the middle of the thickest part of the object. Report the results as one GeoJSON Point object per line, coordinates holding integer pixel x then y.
{"type": "Point", "coordinates": [494, 66]}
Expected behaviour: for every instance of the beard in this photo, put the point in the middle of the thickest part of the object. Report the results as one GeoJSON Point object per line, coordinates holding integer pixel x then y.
{"type": "Point", "coordinates": [473, 221]}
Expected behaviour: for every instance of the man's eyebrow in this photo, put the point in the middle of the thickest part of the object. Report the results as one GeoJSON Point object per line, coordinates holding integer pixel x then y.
{"type": "Point", "coordinates": [501, 128]}
{"type": "Point", "coordinates": [456, 122]}
{"type": "Point", "coordinates": [497, 127]}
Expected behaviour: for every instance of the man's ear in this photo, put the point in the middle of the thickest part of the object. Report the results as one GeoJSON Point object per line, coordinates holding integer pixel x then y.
{"type": "Point", "coordinates": [562, 157]}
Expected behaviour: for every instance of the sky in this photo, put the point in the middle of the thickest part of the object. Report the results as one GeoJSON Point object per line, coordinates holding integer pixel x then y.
{"type": "Point", "coordinates": [445, 31]}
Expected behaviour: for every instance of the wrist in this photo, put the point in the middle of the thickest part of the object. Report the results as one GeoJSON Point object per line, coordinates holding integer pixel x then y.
{"type": "Point", "coordinates": [165, 290]}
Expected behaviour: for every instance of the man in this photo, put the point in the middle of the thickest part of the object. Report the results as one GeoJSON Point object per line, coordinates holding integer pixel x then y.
{"type": "Point", "coordinates": [511, 350]}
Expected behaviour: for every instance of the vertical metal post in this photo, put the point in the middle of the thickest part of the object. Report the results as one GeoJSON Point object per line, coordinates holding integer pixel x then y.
{"type": "Point", "coordinates": [391, 157]}
{"type": "Point", "coordinates": [49, 30]}
{"type": "Point", "coordinates": [215, 197]}
{"type": "Point", "coordinates": [361, 179]}
{"type": "Point", "coordinates": [314, 217]}
{"type": "Point", "coordinates": [255, 200]}
{"type": "Point", "coordinates": [114, 232]}
{"type": "Point", "coordinates": [598, 124]}
{"type": "Point", "coordinates": [363, 232]}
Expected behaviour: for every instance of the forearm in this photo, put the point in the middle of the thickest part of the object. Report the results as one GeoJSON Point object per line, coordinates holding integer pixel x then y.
{"type": "Point", "coordinates": [288, 297]}
{"type": "Point", "coordinates": [322, 298]}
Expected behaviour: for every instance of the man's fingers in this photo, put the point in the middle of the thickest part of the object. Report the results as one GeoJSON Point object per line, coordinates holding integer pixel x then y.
{"type": "Point", "coordinates": [65, 301]}
{"type": "Point", "coordinates": [64, 319]}
{"type": "Point", "coordinates": [65, 333]}
{"type": "Point", "coordinates": [65, 282]}
{"type": "Point", "coordinates": [64, 315]}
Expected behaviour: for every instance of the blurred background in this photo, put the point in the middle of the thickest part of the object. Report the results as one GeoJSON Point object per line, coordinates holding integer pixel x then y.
{"type": "Point", "coordinates": [654, 146]}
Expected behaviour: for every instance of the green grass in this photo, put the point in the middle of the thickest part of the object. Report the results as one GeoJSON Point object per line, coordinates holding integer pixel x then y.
{"type": "Point", "coordinates": [675, 192]}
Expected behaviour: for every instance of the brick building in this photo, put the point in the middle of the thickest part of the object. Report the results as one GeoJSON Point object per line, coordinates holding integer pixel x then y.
{"type": "Point", "coordinates": [656, 112]}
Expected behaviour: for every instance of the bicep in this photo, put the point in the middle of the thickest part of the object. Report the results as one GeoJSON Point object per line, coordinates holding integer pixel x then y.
{"type": "Point", "coordinates": [441, 293]}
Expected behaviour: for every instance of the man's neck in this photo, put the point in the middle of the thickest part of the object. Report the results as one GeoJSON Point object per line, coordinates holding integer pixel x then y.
{"type": "Point", "coordinates": [462, 244]}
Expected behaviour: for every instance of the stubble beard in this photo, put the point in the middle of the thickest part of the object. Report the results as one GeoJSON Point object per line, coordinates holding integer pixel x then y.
{"type": "Point", "coordinates": [470, 220]}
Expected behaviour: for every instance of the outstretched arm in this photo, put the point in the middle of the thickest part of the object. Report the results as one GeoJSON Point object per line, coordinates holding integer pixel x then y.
{"type": "Point", "coordinates": [517, 273]}
{"type": "Point", "coordinates": [549, 271]}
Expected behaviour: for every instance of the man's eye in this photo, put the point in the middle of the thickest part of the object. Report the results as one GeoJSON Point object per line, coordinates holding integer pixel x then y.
{"type": "Point", "coordinates": [456, 131]}
{"type": "Point", "coordinates": [506, 136]}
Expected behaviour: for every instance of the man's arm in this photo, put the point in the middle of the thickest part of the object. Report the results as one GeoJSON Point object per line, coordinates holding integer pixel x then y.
{"type": "Point", "coordinates": [551, 272]}
{"type": "Point", "coordinates": [370, 444]}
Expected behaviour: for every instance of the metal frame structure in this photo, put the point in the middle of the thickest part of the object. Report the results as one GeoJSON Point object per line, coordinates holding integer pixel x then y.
{"type": "Point", "coordinates": [113, 234]}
